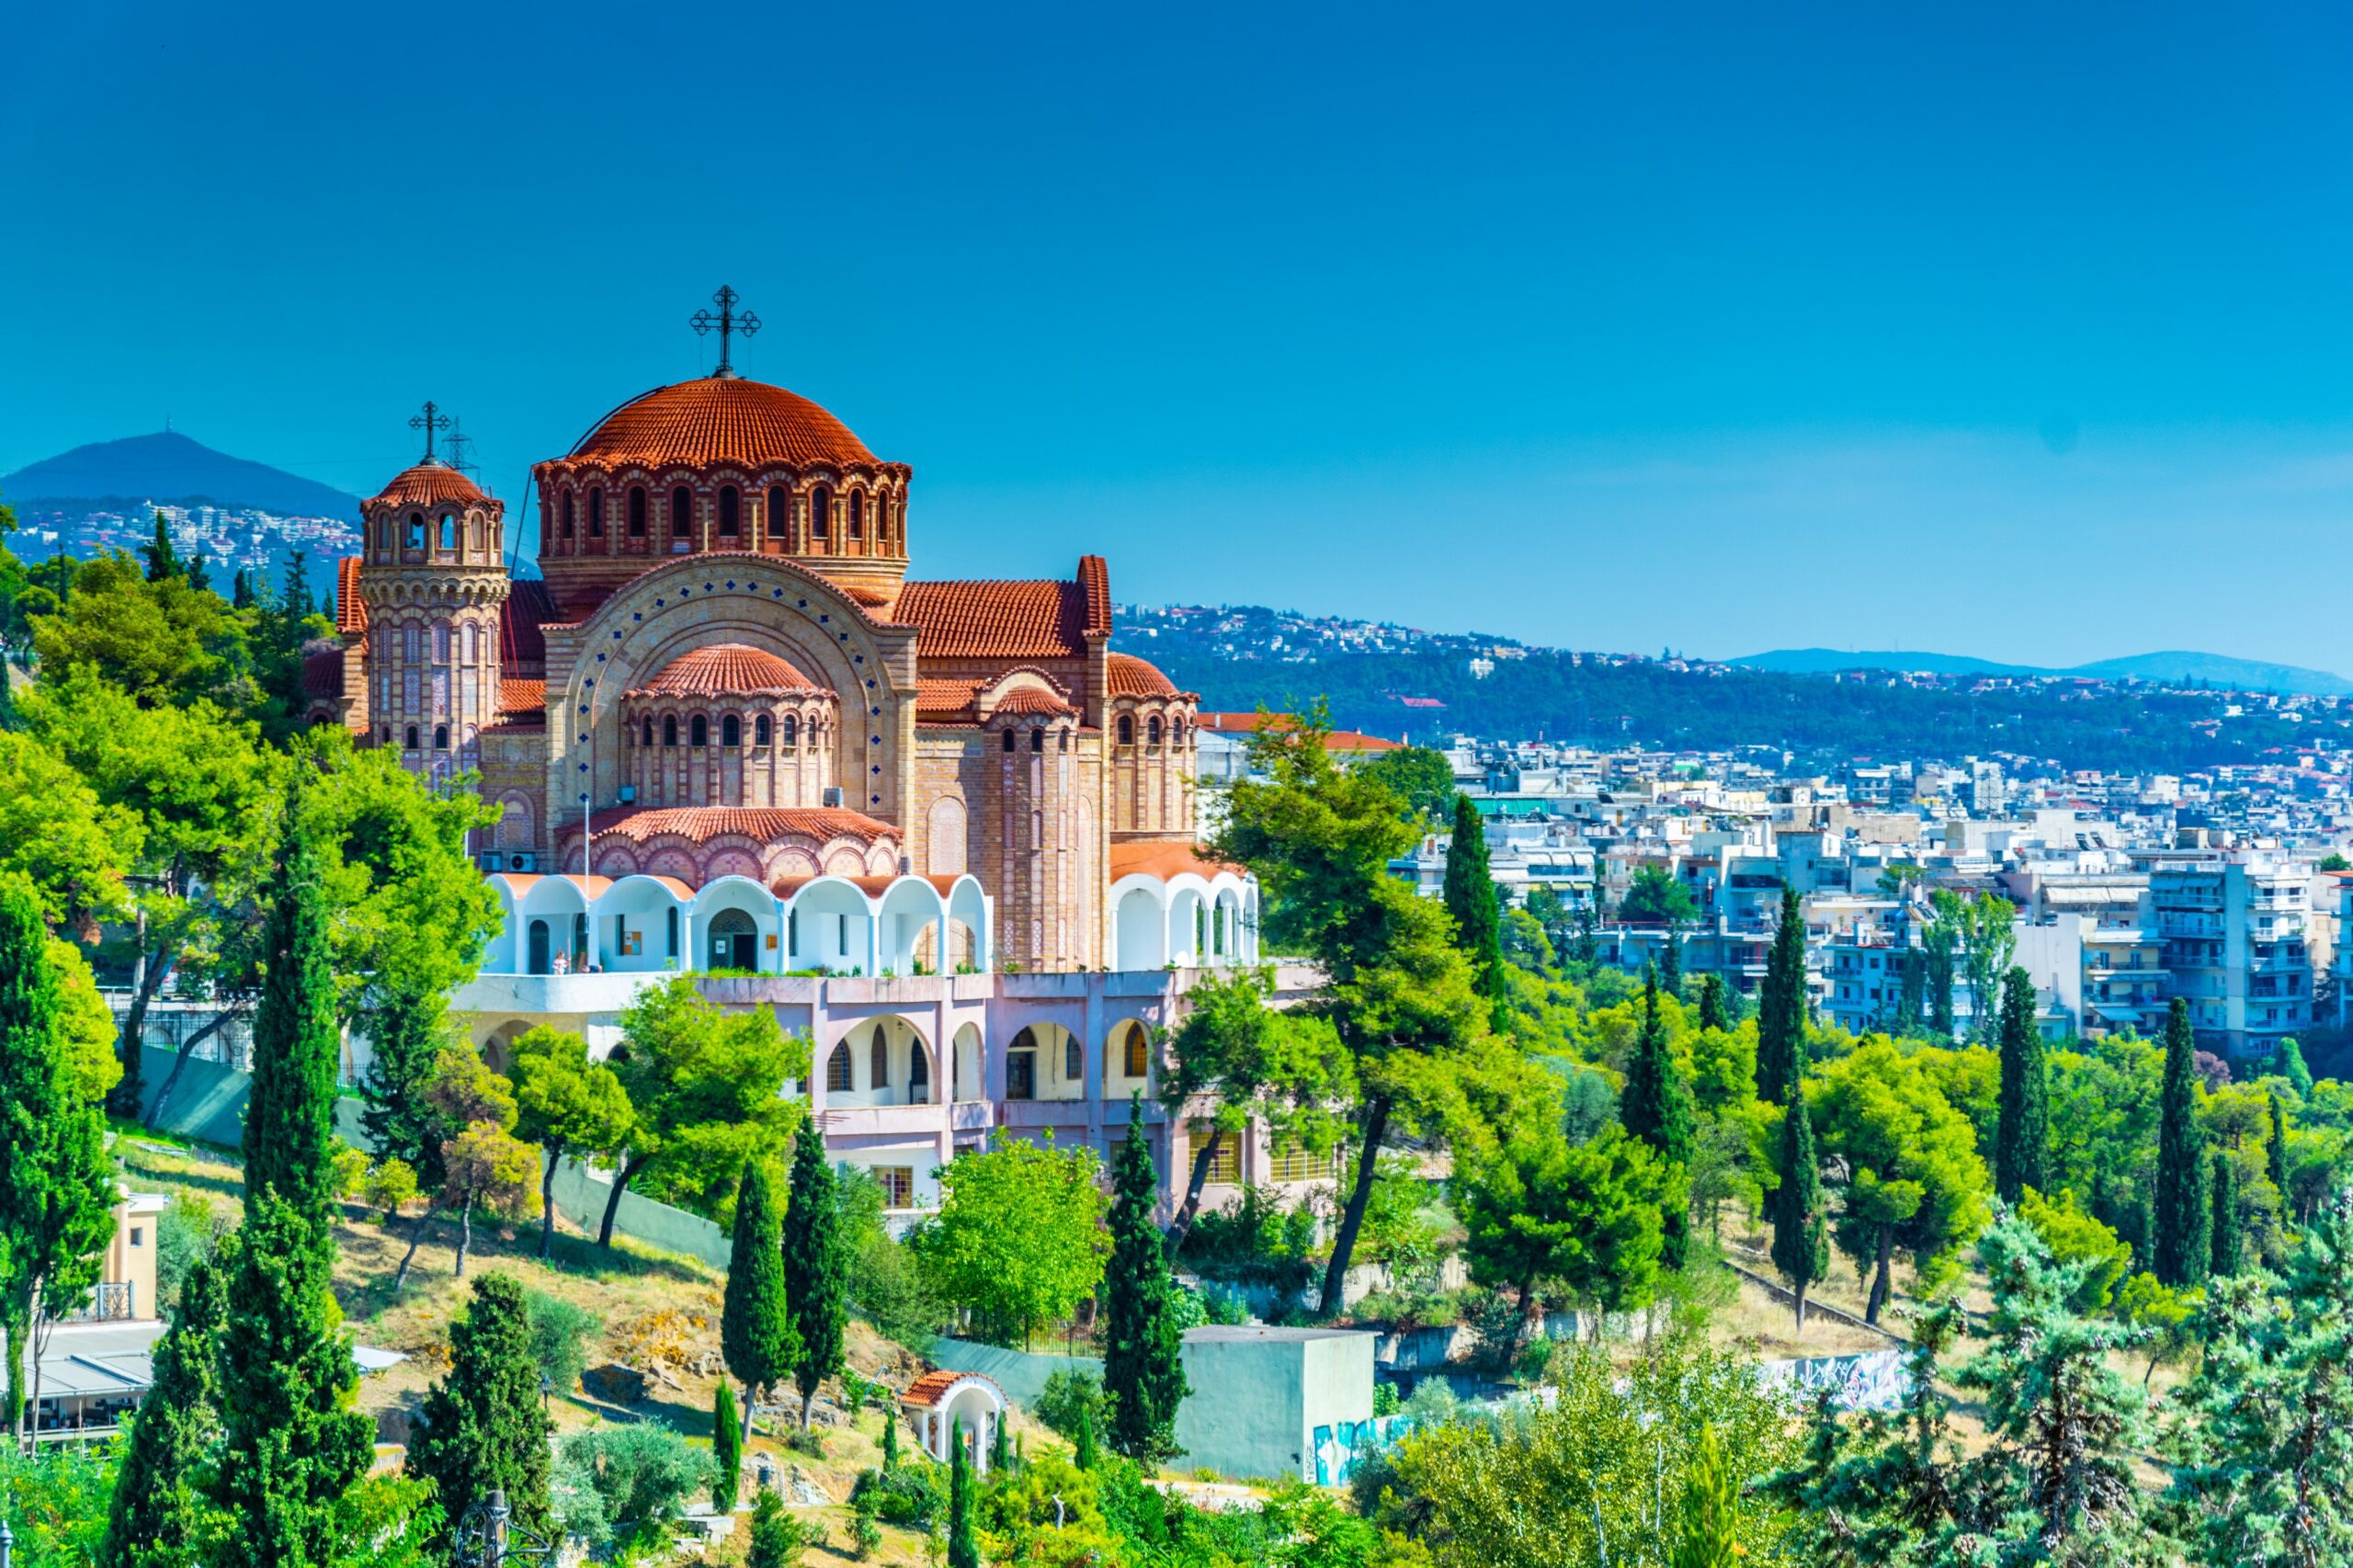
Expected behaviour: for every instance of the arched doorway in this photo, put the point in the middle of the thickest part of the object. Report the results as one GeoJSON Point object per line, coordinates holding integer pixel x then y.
{"type": "Point", "coordinates": [918, 1074]}
{"type": "Point", "coordinates": [541, 963]}
{"type": "Point", "coordinates": [734, 940]}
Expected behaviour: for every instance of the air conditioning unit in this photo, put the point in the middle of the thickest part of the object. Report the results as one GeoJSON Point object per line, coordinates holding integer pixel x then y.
{"type": "Point", "coordinates": [832, 794]}
{"type": "Point", "coordinates": [524, 860]}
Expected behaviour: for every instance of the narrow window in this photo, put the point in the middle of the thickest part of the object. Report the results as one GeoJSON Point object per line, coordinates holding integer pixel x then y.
{"type": "Point", "coordinates": [597, 513]}
{"type": "Point", "coordinates": [760, 730]}
{"type": "Point", "coordinates": [1127, 730]}
{"type": "Point", "coordinates": [1152, 731]}
{"type": "Point", "coordinates": [440, 737]}
{"type": "Point", "coordinates": [838, 1070]}
{"type": "Point", "coordinates": [1036, 740]}
{"type": "Point", "coordinates": [1138, 1052]}
{"type": "Point", "coordinates": [567, 514]}
{"type": "Point", "coordinates": [820, 508]}
{"type": "Point", "coordinates": [730, 730]}
{"type": "Point", "coordinates": [411, 738]}
{"type": "Point", "coordinates": [792, 731]}
{"type": "Point", "coordinates": [701, 730]}
{"type": "Point", "coordinates": [879, 1066]}
{"type": "Point", "coordinates": [918, 1076]}
{"type": "Point", "coordinates": [449, 531]}
{"type": "Point", "coordinates": [384, 536]}
{"type": "Point", "coordinates": [682, 515]}
{"type": "Point", "coordinates": [1074, 1060]}
{"type": "Point", "coordinates": [729, 510]}
{"type": "Point", "coordinates": [857, 514]}
{"type": "Point", "coordinates": [416, 531]}
{"type": "Point", "coordinates": [637, 511]}
{"type": "Point", "coordinates": [669, 729]}
{"type": "Point", "coordinates": [1008, 740]}
{"type": "Point", "coordinates": [672, 922]}
{"type": "Point", "coordinates": [647, 739]}
{"type": "Point", "coordinates": [780, 511]}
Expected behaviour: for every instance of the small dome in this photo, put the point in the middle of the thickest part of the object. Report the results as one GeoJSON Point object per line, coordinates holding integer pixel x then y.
{"type": "Point", "coordinates": [1131, 676]}
{"type": "Point", "coordinates": [722, 419]}
{"type": "Point", "coordinates": [432, 483]}
{"type": "Point", "coordinates": [728, 669]}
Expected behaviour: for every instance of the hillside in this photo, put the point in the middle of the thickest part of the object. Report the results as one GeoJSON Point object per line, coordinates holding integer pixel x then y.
{"type": "Point", "coordinates": [170, 467]}
{"type": "Point", "coordinates": [2171, 667]}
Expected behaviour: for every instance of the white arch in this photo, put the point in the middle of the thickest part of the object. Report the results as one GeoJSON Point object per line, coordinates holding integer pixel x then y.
{"type": "Point", "coordinates": [905, 908]}
{"type": "Point", "coordinates": [968, 905]}
{"type": "Point", "coordinates": [1138, 923]}
{"type": "Point", "coordinates": [830, 922]}
{"type": "Point", "coordinates": [636, 912]}
{"type": "Point", "coordinates": [563, 902]}
{"type": "Point", "coordinates": [736, 892]}
{"type": "Point", "coordinates": [971, 1080]}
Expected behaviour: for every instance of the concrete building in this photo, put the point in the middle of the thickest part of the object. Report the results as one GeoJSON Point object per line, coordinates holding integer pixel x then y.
{"type": "Point", "coordinates": [2230, 924]}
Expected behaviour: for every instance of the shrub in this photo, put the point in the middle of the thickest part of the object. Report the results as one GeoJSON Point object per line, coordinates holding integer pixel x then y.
{"type": "Point", "coordinates": [559, 1332]}
{"type": "Point", "coordinates": [910, 1496]}
{"type": "Point", "coordinates": [1067, 1397]}
{"type": "Point", "coordinates": [865, 1535]}
{"type": "Point", "coordinates": [1258, 1239]}
{"type": "Point", "coordinates": [190, 1228]}
{"type": "Point", "coordinates": [623, 1486]}
{"type": "Point", "coordinates": [777, 1538]}
{"type": "Point", "coordinates": [1384, 1399]}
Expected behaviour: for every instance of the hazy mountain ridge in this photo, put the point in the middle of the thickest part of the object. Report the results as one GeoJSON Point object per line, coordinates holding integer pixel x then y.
{"type": "Point", "coordinates": [172, 468]}
{"type": "Point", "coordinates": [2174, 666]}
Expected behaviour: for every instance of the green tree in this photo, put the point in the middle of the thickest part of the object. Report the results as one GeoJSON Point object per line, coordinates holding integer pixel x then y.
{"type": "Point", "coordinates": [289, 1106]}
{"type": "Point", "coordinates": [163, 561]}
{"type": "Point", "coordinates": [2227, 1251]}
{"type": "Point", "coordinates": [291, 1446]}
{"type": "Point", "coordinates": [1143, 1340]}
{"type": "Point", "coordinates": [775, 1538]}
{"type": "Point", "coordinates": [2183, 1203]}
{"type": "Point", "coordinates": [1657, 897]}
{"type": "Point", "coordinates": [567, 1105]}
{"type": "Point", "coordinates": [57, 1190]}
{"type": "Point", "coordinates": [2022, 1138]}
{"type": "Point", "coordinates": [1018, 1237]}
{"type": "Point", "coordinates": [1421, 779]}
{"type": "Point", "coordinates": [158, 1516]}
{"type": "Point", "coordinates": [1588, 1219]}
{"type": "Point", "coordinates": [161, 643]}
{"type": "Point", "coordinates": [1655, 1107]}
{"type": "Point", "coordinates": [726, 1448]}
{"type": "Point", "coordinates": [756, 1334]}
{"type": "Point", "coordinates": [1715, 1010]}
{"type": "Point", "coordinates": [816, 1265]}
{"type": "Point", "coordinates": [890, 1437]}
{"type": "Point", "coordinates": [1708, 1530]}
{"type": "Point", "coordinates": [1670, 962]}
{"type": "Point", "coordinates": [964, 1552]}
{"type": "Point", "coordinates": [1938, 940]}
{"type": "Point", "coordinates": [2288, 1063]}
{"type": "Point", "coordinates": [2079, 1241]}
{"type": "Point", "coordinates": [1801, 1240]}
{"type": "Point", "coordinates": [1083, 1450]}
{"type": "Point", "coordinates": [482, 1163]}
{"type": "Point", "coordinates": [620, 1488]}
{"type": "Point", "coordinates": [2275, 1149]}
{"type": "Point", "coordinates": [1780, 1005]}
{"type": "Point", "coordinates": [1470, 899]}
{"type": "Point", "coordinates": [483, 1426]}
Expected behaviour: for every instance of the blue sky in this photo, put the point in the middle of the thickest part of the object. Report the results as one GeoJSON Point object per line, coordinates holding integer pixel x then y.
{"type": "Point", "coordinates": [2019, 331]}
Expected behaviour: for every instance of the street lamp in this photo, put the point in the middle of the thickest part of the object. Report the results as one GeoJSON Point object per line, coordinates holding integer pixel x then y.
{"type": "Point", "coordinates": [483, 1532]}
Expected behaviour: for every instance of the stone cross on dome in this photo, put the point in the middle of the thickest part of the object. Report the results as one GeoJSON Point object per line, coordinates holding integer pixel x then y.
{"type": "Point", "coordinates": [728, 321]}
{"type": "Point", "coordinates": [430, 420]}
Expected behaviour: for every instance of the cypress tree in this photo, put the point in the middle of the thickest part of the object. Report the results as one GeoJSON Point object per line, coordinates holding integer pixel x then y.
{"type": "Point", "coordinates": [2228, 1256]}
{"type": "Point", "coordinates": [726, 1448]}
{"type": "Point", "coordinates": [2276, 1151]}
{"type": "Point", "coordinates": [1780, 1005]}
{"type": "Point", "coordinates": [1143, 1344]}
{"type": "Point", "coordinates": [1470, 899]}
{"type": "Point", "coordinates": [2288, 1063]}
{"type": "Point", "coordinates": [290, 1444]}
{"type": "Point", "coordinates": [484, 1428]}
{"type": "Point", "coordinates": [1670, 962]}
{"type": "Point", "coordinates": [163, 561]}
{"type": "Point", "coordinates": [1082, 1443]}
{"type": "Point", "coordinates": [156, 1518]}
{"type": "Point", "coordinates": [775, 1538]}
{"type": "Point", "coordinates": [241, 591]}
{"type": "Point", "coordinates": [1709, 1533]}
{"type": "Point", "coordinates": [2022, 1133]}
{"type": "Point", "coordinates": [289, 1142]}
{"type": "Point", "coordinates": [1715, 1009]}
{"type": "Point", "coordinates": [1913, 993]}
{"type": "Point", "coordinates": [1001, 1447]}
{"type": "Point", "coordinates": [1655, 1107]}
{"type": "Point", "coordinates": [2183, 1204]}
{"type": "Point", "coordinates": [1800, 1236]}
{"type": "Point", "coordinates": [755, 1331]}
{"type": "Point", "coordinates": [890, 1437]}
{"type": "Point", "coordinates": [816, 1271]}
{"type": "Point", "coordinates": [963, 1551]}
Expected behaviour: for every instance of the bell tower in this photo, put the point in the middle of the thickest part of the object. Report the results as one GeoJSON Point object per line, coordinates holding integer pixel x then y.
{"type": "Point", "coordinates": [433, 576]}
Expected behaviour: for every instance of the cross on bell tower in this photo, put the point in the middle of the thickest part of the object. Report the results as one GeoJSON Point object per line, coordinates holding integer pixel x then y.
{"type": "Point", "coordinates": [430, 420]}
{"type": "Point", "coordinates": [727, 323]}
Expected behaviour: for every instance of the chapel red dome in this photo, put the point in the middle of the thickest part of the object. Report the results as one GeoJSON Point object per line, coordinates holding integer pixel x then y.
{"type": "Point", "coordinates": [722, 419]}
{"type": "Point", "coordinates": [430, 483]}
{"type": "Point", "coordinates": [728, 669]}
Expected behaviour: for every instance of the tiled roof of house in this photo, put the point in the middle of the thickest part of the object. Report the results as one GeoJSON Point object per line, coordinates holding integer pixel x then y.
{"type": "Point", "coordinates": [729, 667]}
{"type": "Point", "coordinates": [765, 823]}
{"type": "Point", "coordinates": [322, 670]}
{"type": "Point", "coordinates": [997, 621]}
{"type": "Point", "coordinates": [722, 419]}
{"type": "Point", "coordinates": [431, 484]}
{"type": "Point", "coordinates": [1131, 676]}
{"type": "Point", "coordinates": [350, 609]}
{"type": "Point", "coordinates": [932, 1387]}
{"type": "Point", "coordinates": [1032, 700]}
{"type": "Point", "coordinates": [1349, 741]}
{"type": "Point", "coordinates": [946, 701]}
{"type": "Point", "coordinates": [1164, 859]}
{"type": "Point", "coordinates": [522, 697]}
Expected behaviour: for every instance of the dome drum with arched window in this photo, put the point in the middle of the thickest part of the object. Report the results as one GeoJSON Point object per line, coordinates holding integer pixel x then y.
{"type": "Point", "coordinates": [730, 725]}
{"type": "Point", "coordinates": [432, 583]}
{"type": "Point", "coordinates": [1151, 724]}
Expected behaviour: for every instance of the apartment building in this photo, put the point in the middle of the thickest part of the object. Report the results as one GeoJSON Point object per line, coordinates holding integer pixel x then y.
{"type": "Point", "coordinates": [2232, 927]}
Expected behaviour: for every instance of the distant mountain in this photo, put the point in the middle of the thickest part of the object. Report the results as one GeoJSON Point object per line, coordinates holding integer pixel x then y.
{"type": "Point", "coordinates": [169, 467]}
{"type": "Point", "coordinates": [2174, 667]}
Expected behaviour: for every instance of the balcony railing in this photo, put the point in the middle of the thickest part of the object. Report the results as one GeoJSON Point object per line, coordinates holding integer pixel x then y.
{"type": "Point", "coordinates": [112, 1302]}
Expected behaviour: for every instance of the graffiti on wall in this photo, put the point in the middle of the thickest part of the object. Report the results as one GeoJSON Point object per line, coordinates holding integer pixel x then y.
{"type": "Point", "coordinates": [1872, 1379]}
{"type": "Point", "coordinates": [1343, 1445]}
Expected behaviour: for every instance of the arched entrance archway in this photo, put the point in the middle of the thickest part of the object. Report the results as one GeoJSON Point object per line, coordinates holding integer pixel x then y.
{"type": "Point", "coordinates": [734, 940]}
{"type": "Point", "coordinates": [541, 960]}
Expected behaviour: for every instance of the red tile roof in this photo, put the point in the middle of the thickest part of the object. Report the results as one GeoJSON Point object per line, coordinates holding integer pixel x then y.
{"type": "Point", "coordinates": [521, 696]}
{"type": "Point", "coordinates": [1095, 582]}
{"type": "Point", "coordinates": [429, 484]}
{"type": "Point", "coordinates": [1164, 859]}
{"type": "Point", "coordinates": [1342, 741]}
{"type": "Point", "coordinates": [1032, 700]}
{"type": "Point", "coordinates": [699, 824]}
{"type": "Point", "coordinates": [350, 609]}
{"type": "Point", "coordinates": [529, 606]}
{"type": "Point", "coordinates": [1131, 676]}
{"type": "Point", "coordinates": [322, 670]}
{"type": "Point", "coordinates": [932, 1387]}
{"type": "Point", "coordinates": [946, 701]}
{"type": "Point", "coordinates": [729, 667]}
{"type": "Point", "coordinates": [995, 620]}
{"type": "Point", "coordinates": [722, 419]}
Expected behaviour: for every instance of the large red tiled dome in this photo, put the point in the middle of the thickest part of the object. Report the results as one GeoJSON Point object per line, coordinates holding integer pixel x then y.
{"type": "Point", "coordinates": [722, 419]}
{"type": "Point", "coordinates": [726, 668]}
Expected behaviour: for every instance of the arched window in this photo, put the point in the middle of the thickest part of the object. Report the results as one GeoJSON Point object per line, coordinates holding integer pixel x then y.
{"type": "Point", "coordinates": [416, 531]}
{"type": "Point", "coordinates": [1176, 731]}
{"type": "Point", "coordinates": [1074, 1060]}
{"type": "Point", "coordinates": [473, 643]}
{"type": "Point", "coordinates": [1008, 740]}
{"type": "Point", "coordinates": [879, 1060]}
{"type": "Point", "coordinates": [730, 730]}
{"type": "Point", "coordinates": [637, 511]}
{"type": "Point", "coordinates": [1139, 1062]}
{"type": "Point", "coordinates": [730, 511]}
{"type": "Point", "coordinates": [701, 730]}
{"type": "Point", "coordinates": [673, 912]}
{"type": "Point", "coordinates": [918, 1075]}
{"type": "Point", "coordinates": [410, 738]}
{"type": "Point", "coordinates": [449, 531]}
{"type": "Point", "coordinates": [648, 739]}
{"type": "Point", "coordinates": [1151, 730]}
{"type": "Point", "coordinates": [1036, 740]}
{"type": "Point", "coordinates": [838, 1070]}
{"type": "Point", "coordinates": [440, 737]}
{"type": "Point", "coordinates": [820, 508]}
{"type": "Point", "coordinates": [1065, 740]}
{"type": "Point", "coordinates": [384, 536]}
{"type": "Point", "coordinates": [780, 521]}
{"type": "Point", "coordinates": [857, 514]}
{"type": "Point", "coordinates": [387, 736]}
{"type": "Point", "coordinates": [1127, 728]}
{"type": "Point", "coordinates": [682, 515]}
{"type": "Point", "coordinates": [567, 514]}
{"type": "Point", "coordinates": [669, 729]}
{"type": "Point", "coordinates": [1022, 1067]}
{"type": "Point", "coordinates": [760, 730]}
{"type": "Point", "coordinates": [792, 731]}
{"type": "Point", "coordinates": [474, 529]}
{"type": "Point", "coordinates": [597, 513]}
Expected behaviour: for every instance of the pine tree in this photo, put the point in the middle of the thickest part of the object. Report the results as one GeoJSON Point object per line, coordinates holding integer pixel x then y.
{"type": "Point", "coordinates": [726, 1448]}
{"type": "Point", "coordinates": [2227, 1251]}
{"type": "Point", "coordinates": [1082, 1444]}
{"type": "Point", "coordinates": [290, 1444]}
{"type": "Point", "coordinates": [2022, 1133]}
{"type": "Point", "coordinates": [1143, 1344]}
{"type": "Point", "coordinates": [483, 1423]}
{"type": "Point", "coordinates": [1470, 899]}
{"type": "Point", "coordinates": [1655, 1107]}
{"type": "Point", "coordinates": [2183, 1205]}
{"type": "Point", "coordinates": [815, 1270]}
{"type": "Point", "coordinates": [756, 1336]}
{"type": "Point", "coordinates": [1780, 1005]}
{"type": "Point", "coordinates": [963, 1551]}
{"type": "Point", "coordinates": [163, 561]}
{"type": "Point", "coordinates": [1710, 1527]}
{"type": "Point", "coordinates": [159, 1509]}
{"type": "Point", "coordinates": [289, 1108]}
{"type": "Point", "coordinates": [776, 1537]}
{"type": "Point", "coordinates": [2276, 1151]}
{"type": "Point", "coordinates": [1715, 1009]}
{"type": "Point", "coordinates": [1801, 1233]}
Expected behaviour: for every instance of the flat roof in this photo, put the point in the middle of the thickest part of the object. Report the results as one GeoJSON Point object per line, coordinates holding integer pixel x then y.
{"type": "Point", "coordinates": [1241, 1333]}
